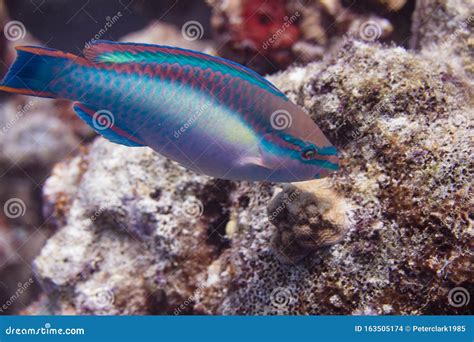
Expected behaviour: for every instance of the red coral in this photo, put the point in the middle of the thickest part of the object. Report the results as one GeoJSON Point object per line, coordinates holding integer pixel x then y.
{"type": "Point", "coordinates": [267, 27]}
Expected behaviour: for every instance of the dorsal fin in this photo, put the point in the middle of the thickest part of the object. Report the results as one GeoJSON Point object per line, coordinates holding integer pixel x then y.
{"type": "Point", "coordinates": [103, 51]}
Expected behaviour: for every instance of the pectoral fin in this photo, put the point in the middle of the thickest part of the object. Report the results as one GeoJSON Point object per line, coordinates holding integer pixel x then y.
{"type": "Point", "coordinates": [103, 122]}
{"type": "Point", "coordinates": [247, 160]}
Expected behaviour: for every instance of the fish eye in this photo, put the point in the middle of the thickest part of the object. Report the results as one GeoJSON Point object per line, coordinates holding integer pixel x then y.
{"type": "Point", "coordinates": [308, 153]}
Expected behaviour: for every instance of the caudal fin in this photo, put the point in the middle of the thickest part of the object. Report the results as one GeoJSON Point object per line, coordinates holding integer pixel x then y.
{"type": "Point", "coordinates": [35, 70]}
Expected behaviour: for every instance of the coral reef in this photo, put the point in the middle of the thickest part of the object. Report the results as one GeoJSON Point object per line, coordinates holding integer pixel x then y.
{"type": "Point", "coordinates": [401, 123]}
{"type": "Point", "coordinates": [49, 139]}
{"type": "Point", "coordinates": [33, 138]}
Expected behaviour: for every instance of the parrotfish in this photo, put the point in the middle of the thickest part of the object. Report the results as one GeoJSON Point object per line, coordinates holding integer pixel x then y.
{"type": "Point", "coordinates": [209, 114]}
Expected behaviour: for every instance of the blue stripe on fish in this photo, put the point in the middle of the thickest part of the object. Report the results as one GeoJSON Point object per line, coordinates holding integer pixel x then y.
{"type": "Point", "coordinates": [103, 51]}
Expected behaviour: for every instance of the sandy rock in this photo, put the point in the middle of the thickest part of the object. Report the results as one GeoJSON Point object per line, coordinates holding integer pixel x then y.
{"type": "Point", "coordinates": [138, 236]}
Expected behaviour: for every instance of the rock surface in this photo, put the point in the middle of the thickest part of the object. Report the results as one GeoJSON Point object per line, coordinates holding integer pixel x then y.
{"type": "Point", "coordinates": [448, 31]}
{"type": "Point", "coordinates": [135, 241]}
{"type": "Point", "coordinates": [155, 238]}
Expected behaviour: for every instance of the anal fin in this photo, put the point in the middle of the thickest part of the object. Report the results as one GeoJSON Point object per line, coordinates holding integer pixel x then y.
{"type": "Point", "coordinates": [103, 122]}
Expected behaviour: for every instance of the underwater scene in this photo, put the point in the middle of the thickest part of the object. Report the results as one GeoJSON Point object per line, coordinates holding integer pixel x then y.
{"type": "Point", "coordinates": [236, 157]}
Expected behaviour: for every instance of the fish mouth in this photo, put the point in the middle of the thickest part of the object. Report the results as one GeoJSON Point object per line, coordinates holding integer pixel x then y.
{"type": "Point", "coordinates": [330, 165]}
{"type": "Point", "coordinates": [323, 173]}
{"type": "Point", "coordinates": [330, 155]}
{"type": "Point", "coordinates": [327, 150]}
